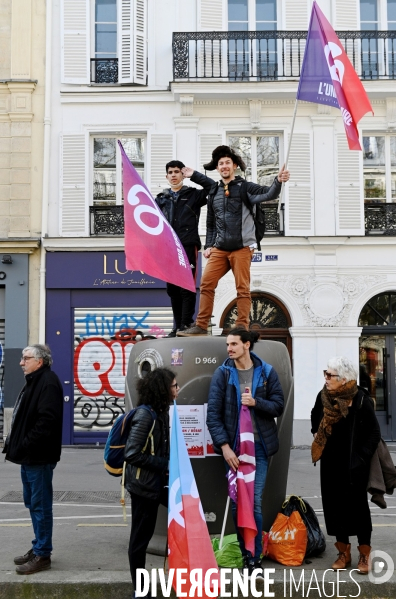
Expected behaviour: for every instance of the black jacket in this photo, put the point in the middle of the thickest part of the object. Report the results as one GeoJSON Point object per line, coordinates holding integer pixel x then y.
{"type": "Point", "coordinates": [224, 220]}
{"type": "Point", "coordinates": [183, 215]}
{"type": "Point", "coordinates": [224, 403]}
{"type": "Point", "coordinates": [364, 429]}
{"type": "Point", "coordinates": [146, 474]}
{"type": "Point", "coordinates": [36, 434]}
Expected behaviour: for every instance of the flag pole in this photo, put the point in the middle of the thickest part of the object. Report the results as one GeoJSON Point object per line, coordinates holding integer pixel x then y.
{"type": "Point", "coordinates": [288, 151]}
{"type": "Point", "coordinates": [224, 522]}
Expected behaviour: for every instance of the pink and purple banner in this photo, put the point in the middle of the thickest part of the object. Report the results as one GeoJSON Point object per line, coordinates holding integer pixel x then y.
{"type": "Point", "coordinates": [328, 77]}
{"type": "Point", "coordinates": [151, 245]}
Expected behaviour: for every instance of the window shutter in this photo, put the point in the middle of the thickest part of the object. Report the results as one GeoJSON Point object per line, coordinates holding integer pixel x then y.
{"type": "Point", "coordinates": [132, 41]}
{"type": "Point", "coordinates": [299, 208]}
{"type": "Point", "coordinates": [346, 14]}
{"type": "Point", "coordinates": [75, 41]}
{"type": "Point", "coordinates": [207, 143]}
{"type": "Point", "coordinates": [140, 42]}
{"type": "Point", "coordinates": [73, 205]}
{"type": "Point", "coordinates": [350, 214]}
{"type": "Point", "coordinates": [211, 15]}
{"type": "Point", "coordinates": [162, 151]}
{"type": "Point", "coordinates": [297, 14]}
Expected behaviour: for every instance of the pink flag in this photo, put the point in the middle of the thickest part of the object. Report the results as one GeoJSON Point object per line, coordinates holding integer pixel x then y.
{"type": "Point", "coordinates": [328, 77]}
{"type": "Point", "coordinates": [151, 245]}
{"type": "Point", "coordinates": [243, 491]}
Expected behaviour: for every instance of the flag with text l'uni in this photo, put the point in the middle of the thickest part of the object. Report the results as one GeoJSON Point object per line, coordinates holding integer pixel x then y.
{"type": "Point", "coordinates": [189, 544]}
{"type": "Point", "coordinates": [151, 245]}
{"type": "Point", "coordinates": [328, 77]}
{"type": "Point", "coordinates": [241, 482]}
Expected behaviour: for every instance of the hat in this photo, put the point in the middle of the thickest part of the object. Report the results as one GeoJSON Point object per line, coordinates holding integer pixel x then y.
{"type": "Point", "coordinates": [224, 152]}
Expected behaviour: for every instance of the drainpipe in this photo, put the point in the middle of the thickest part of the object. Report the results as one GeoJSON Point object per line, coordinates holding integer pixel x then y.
{"type": "Point", "coordinates": [46, 165]}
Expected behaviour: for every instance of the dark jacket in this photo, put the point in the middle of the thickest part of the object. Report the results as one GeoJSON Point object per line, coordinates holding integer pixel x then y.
{"type": "Point", "coordinates": [146, 474]}
{"type": "Point", "coordinates": [224, 220]}
{"type": "Point", "coordinates": [183, 215]}
{"type": "Point", "coordinates": [224, 403]}
{"type": "Point", "coordinates": [36, 434]}
{"type": "Point", "coordinates": [364, 429]}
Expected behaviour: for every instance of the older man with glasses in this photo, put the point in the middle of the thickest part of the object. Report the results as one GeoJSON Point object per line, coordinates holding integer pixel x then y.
{"type": "Point", "coordinates": [34, 442]}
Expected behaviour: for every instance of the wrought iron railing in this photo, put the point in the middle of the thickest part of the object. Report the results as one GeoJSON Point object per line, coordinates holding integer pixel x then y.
{"type": "Point", "coordinates": [104, 70]}
{"type": "Point", "coordinates": [380, 219]}
{"type": "Point", "coordinates": [273, 55]}
{"type": "Point", "coordinates": [106, 220]}
{"type": "Point", "coordinates": [109, 220]}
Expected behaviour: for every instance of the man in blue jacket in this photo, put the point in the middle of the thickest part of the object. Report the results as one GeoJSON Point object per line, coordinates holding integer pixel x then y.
{"type": "Point", "coordinates": [245, 379]}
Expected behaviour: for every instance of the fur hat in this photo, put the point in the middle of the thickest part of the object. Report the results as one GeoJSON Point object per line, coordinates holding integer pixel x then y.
{"type": "Point", "coordinates": [224, 152]}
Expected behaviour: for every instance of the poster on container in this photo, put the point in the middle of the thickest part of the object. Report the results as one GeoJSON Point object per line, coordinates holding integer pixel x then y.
{"type": "Point", "coordinates": [192, 422]}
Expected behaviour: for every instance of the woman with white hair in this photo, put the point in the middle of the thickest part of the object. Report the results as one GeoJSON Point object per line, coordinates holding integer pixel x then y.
{"type": "Point", "coordinates": [346, 434]}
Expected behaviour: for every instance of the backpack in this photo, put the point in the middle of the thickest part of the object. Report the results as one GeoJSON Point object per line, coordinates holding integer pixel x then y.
{"type": "Point", "coordinates": [257, 211]}
{"type": "Point", "coordinates": [116, 441]}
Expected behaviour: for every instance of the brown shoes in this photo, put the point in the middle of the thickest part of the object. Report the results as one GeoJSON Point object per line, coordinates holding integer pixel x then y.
{"type": "Point", "coordinates": [364, 555]}
{"type": "Point", "coordinates": [35, 564]}
{"type": "Point", "coordinates": [22, 559]}
{"type": "Point", "coordinates": [344, 556]}
{"type": "Point", "coordinates": [192, 331]}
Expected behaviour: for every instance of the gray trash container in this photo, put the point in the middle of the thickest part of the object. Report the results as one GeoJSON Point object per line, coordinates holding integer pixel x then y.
{"type": "Point", "coordinates": [200, 357]}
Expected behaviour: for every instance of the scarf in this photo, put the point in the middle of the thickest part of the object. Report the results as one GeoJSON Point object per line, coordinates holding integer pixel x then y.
{"type": "Point", "coordinates": [335, 406]}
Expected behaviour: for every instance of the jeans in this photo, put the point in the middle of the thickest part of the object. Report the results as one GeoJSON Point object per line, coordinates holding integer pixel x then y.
{"type": "Point", "coordinates": [259, 484]}
{"type": "Point", "coordinates": [37, 496]}
{"type": "Point", "coordinates": [219, 263]}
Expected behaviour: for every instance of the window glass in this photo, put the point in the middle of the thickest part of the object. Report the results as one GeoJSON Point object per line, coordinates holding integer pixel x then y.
{"type": "Point", "coordinates": [265, 10]}
{"type": "Point", "coordinates": [106, 11]}
{"type": "Point", "coordinates": [267, 159]}
{"type": "Point", "coordinates": [107, 164]}
{"type": "Point", "coordinates": [392, 12]}
{"type": "Point", "coordinates": [105, 29]}
{"type": "Point", "coordinates": [374, 168]}
{"type": "Point", "coordinates": [242, 145]}
{"type": "Point", "coordinates": [368, 12]}
{"type": "Point", "coordinates": [238, 10]}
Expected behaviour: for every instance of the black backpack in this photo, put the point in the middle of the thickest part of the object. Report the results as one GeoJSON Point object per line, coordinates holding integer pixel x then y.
{"type": "Point", "coordinates": [256, 211]}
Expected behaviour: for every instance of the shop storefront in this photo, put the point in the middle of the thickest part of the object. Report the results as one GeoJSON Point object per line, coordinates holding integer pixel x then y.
{"type": "Point", "coordinates": [96, 311]}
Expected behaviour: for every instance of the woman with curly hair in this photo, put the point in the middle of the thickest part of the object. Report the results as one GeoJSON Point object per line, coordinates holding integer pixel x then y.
{"type": "Point", "coordinates": [346, 434]}
{"type": "Point", "coordinates": [147, 458]}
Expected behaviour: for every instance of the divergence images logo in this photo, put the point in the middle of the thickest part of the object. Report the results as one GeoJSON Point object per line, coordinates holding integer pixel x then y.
{"type": "Point", "coordinates": [382, 567]}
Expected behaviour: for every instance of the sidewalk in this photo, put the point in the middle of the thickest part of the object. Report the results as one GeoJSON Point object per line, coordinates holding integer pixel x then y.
{"type": "Point", "coordinates": [90, 538]}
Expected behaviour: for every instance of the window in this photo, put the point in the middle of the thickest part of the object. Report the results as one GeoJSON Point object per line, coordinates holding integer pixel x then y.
{"type": "Point", "coordinates": [261, 155]}
{"type": "Point", "coordinates": [378, 15]}
{"type": "Point", "coordinates": [107, 180]}
{"type": "Point", "coordinates": [379, 168]}
{"type": "Point", "coordinates": [105, 64]}
{"type": "Point", "coordinates": [256, 57]}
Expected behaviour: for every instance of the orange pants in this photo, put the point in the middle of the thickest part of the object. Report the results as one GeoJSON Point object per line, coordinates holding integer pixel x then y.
{"type": "Point", "coordinates": [219, 263]}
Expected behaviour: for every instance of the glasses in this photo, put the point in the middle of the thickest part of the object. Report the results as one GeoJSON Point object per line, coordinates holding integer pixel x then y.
{"type": "Point", "coordinates": [26, 358]}
{"type": "Point", "coordinates": [328, 375]}
{"type": "Point", "coordinates": [176, 385]}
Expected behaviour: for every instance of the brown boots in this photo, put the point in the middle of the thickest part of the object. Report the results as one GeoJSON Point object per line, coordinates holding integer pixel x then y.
{"type": "Point", "coordinates": [344, 556]}
{"type": "Point", "coordinates": [364, 554]}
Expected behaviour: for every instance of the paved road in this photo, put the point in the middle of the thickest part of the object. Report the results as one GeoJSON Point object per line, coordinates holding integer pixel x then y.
{"type": "Point", "coordinates": [91, 538]}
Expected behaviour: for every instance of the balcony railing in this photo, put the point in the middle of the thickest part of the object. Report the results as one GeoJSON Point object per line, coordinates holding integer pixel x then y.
{"type": "Point", "coordinates": [380, 219]}
{"type": "Point", "coordinates": [273, 55]}
{"type": "Point", "coordinates": [104, 70]}
{"type": "Point", "coordinates": [109, 220]}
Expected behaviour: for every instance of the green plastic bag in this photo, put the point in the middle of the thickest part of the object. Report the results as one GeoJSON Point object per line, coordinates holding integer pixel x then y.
{"type": "Point", "coordinates": [229, 556]}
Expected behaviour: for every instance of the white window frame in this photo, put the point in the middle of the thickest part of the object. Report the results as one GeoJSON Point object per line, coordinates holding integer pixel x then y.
{"type": "Point", "coordinates": [388, 166]}
{"type": "Point", "coordinates": [118, 169]}
{"type": "Point", "coordinates": [252, 14]}
{"type": "Point", "coordinates": [255, 135]}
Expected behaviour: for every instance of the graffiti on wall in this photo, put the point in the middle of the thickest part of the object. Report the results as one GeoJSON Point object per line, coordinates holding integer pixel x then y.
{"type": "Point", "coordinates": [103, 341]}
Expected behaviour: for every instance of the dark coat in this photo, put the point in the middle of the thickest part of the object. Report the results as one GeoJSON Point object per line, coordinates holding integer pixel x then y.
{"type": "Point", "coordinates": [183, 215]}
{"type": "Point", "coordinates": [224, 219]}
{"type": "Point", "coordinates": [224, 403]}
{"type": "Point", "coordinates": [36, 434]}
{"type": "Point", "coordinates": [344, 465]}
{"type": "Point", "coordinates": [147, 474]}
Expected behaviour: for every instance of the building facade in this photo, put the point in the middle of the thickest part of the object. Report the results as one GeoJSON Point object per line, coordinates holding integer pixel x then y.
{"type": "Point", "coordinates": [175, 79]}
{"type": "Point", "coordinates": [22, 78]}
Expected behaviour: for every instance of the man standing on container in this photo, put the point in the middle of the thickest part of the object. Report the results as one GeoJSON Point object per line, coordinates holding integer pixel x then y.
{"type": "Point", "coordinates": [34, 442]}
{"type": "Point", "coordinates": [230, 234]}
{"type": "Point", "coordinates": [181, 206]}
{"type": "Point", "coordinates": [245, 380]}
